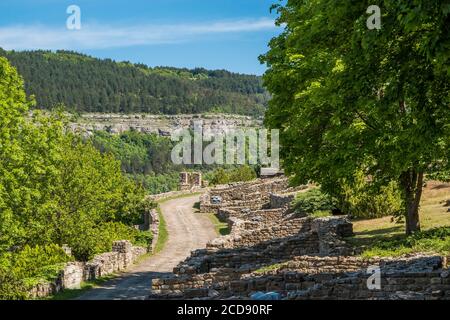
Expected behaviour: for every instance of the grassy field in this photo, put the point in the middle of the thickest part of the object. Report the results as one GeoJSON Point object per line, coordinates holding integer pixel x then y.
{"type": "Point", "coordinates": [385, 237]}
{"type": "Point", "coordinates": [221, 227]}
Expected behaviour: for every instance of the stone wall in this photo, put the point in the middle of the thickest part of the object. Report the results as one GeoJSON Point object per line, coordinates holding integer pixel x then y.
{"type": "Point", "coordinates": [312, 277]}
{"type": "Point", "coordinates": [190, 180]}
{"type": "Point", "coordinates": [251, 195]}
{"type": "Point", "coordinates": [248, 248]}
{"type": "Point", "coordinates": [281, 200]}
{"type": "Point", "coordinates": [421, 278]}
{"type": "Point", "coordinates": [123, 255]}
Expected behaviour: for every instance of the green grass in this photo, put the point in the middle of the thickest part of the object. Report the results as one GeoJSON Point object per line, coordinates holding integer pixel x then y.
{"type": "Point", "coordinates": [69, 294]}
{"type": "Point", "coordinates": [435, 240]}
{"type": "Point", "coordinates": [221, 227]}
{"type": "Point", "coordinates": [321, 214]}
{"type": "Point", "coordinates": [163, 234]}
{"type": "Point", "coordinates": [271, 267]}
{"type": "Point", "coordinates": [384, 237]}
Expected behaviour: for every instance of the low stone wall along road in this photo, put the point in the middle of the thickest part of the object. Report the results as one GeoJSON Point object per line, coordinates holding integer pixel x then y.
{"type": "Point", "coordinates": [188, 230]}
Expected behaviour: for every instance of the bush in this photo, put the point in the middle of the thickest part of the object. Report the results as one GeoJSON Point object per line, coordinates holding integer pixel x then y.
{"type": "Point", "coordinates": [239, 174]}
{"type": "Point", "coordinates": [155, 184]}
{"type": "Point", "coordinates": [88, 242]}
{"type": "Point", "coordinates": [143, 239]}
{"type": "Point", "coordinates": [19, 271]}
{"type": "Point", "coordinates": [311, 201]}
{"type": "Point", "coordinates": [362, 200]}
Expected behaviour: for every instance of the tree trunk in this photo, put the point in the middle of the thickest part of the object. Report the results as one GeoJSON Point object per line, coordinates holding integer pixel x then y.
{"type": "Point", "coordinates": [412, 184]}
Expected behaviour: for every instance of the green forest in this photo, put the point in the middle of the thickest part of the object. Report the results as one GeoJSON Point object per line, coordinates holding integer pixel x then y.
{"type": "Point", "coordinates": [86, 84]}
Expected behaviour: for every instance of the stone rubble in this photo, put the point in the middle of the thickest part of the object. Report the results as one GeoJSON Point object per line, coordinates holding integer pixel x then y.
{"type": "Point", "coordinates": [271, 249]}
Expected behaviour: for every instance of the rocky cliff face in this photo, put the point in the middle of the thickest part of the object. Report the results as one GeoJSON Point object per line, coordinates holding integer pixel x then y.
{"type": "Point", "coordinates": [162, 124]}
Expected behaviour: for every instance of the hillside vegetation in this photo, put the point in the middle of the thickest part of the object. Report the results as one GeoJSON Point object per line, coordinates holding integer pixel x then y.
{"type": "Point", "coordinates": [55, 189]}
{"type": "Point", "coordinates": [87, 84]}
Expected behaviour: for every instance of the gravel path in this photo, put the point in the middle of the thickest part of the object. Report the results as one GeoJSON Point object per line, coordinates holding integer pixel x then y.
{"type": "Point", "coordinates": [188, 230]}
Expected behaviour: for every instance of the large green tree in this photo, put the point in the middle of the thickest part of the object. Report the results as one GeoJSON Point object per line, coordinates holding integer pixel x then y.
{"type": "Point", "coordinates": [348, 98]}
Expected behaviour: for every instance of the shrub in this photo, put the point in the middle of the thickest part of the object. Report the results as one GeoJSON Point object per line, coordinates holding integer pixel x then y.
{"type": "Point", "coordinates": [19, 271]}
{"type": "Point", "coordinates": [143, 239]}
{"type": "Point", "coordinates": [238, 174]}
{"type": "Point", "coordinates": [362, 200]}
{"type": "Point", "coordinates": [311, 201]}
{"type": "Point", "coordinates": [98, 239]}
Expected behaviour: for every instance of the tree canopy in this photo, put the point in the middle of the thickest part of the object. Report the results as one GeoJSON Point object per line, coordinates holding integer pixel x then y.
{"type": "Point", "coordinates": [347, 98]}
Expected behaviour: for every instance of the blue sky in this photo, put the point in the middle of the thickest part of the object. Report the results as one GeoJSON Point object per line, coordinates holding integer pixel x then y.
{"type": "Point", "coordinates": [215, 34]}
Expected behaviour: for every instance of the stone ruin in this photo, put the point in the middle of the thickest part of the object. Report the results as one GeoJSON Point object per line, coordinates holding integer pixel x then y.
{"type": "Point", "coordinates": [190, 181]}
{"type": "Point", "coordinates": [270, 248]}
{"type": "Point", "coordinates": [122, 256]}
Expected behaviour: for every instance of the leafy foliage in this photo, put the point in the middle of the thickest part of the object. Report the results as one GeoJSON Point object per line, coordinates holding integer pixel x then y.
{"type": "Point", "coordinates": [139, 153]}
{"type": "Point", "coordinates": [363, 200]}
{"type": "Point", "coordinates": [20, 270]}
{"type": "Point", "coordinates": [308, 202]}
{"type": "Point", "coordinates": [238, 174]}
{"type": "Point", "coordinates": [86, 84]}
{"type": "Point", "coordinates": [56, 188]}
{"type": "Point", "coordinates": [347, 98]}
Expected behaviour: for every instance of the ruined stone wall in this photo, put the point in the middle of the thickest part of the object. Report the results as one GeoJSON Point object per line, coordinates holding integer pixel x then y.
{"type": "Point", "coordinates": [411, 278]}
{"type": "Point", "coordinates": [124, 254]}
{"type": "Point", "coordinates": [281, 200]}
{"type": "Point", "coordinates": [190, 181]}
{"type": "Point", "coordinates": [248, 238]}
{"type": "Point", "coordinates": [260, 216]}
{"type": "Point", "coordinates": [251, 195]}
{"type": "Point", "coordinates": [312, 277]}
{"type": "Point", "coordinates": [230, 252]}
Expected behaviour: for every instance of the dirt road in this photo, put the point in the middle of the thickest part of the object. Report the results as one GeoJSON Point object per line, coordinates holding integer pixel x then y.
{"type": "Point", "coordinates": [188, 230]}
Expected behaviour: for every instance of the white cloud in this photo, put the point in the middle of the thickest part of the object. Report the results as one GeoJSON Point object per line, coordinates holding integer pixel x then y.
{"type": "Point", "coordinates": [94, 36]}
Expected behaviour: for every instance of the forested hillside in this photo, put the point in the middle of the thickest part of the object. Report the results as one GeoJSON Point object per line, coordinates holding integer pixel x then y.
{"type": "Point", "coordinates": [87, 84]}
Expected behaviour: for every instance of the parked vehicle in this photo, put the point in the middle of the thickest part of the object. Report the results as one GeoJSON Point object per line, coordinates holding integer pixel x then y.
{"type": "Point", "coordinates": [216, 200]}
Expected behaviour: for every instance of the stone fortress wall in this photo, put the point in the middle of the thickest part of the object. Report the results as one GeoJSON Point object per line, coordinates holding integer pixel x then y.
{"type": "Point", "coordinates": [122, 256]}
{"type": "Point", "coordinates": [270, 248]}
